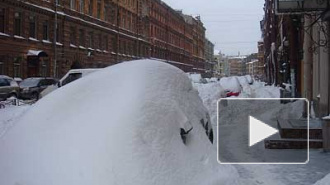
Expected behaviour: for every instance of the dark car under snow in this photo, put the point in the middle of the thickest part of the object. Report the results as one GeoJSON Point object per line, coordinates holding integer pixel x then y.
{"type": "Point", "coordinates": [31, 87]}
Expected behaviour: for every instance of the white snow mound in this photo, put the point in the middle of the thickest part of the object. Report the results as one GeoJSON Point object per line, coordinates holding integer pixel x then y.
{"type": "Point", "coordinates": [231, 84]}
{"type": "Point", "coordinates": [120, 125]}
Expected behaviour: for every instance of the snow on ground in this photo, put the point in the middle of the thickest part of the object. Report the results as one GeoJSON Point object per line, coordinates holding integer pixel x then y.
{"type": "Point", "coordinates": [124, 133]}
{"type": "Point", "coordinates": [324, 181]}
{"type": "Point", "coordinates": [9, 116]}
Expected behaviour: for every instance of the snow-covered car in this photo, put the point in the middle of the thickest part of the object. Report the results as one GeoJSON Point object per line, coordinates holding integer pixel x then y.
{"type": "Point", "coordinates": [231, 85]}
{"type": "Point", "coordinates": [72, 75]}
{"type": "Point", "coordinates": [18, 80]}
{"type": "Point", "coordinates": [196, 78]}
{"type": "Point", "coordinates": [243, 80]}
{"type": "Point", "coordinates": [249, 79]}
{"type": "Point", "coordinates": [8, 87]}
{"type": "Point", "coordinates": [146, 126]}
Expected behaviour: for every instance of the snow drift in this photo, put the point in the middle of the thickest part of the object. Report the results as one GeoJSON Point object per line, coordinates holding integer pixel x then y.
{"type": "Point", "coordinates": [210, 94]}
{"type": "Point", "coordinates": [122, 130]}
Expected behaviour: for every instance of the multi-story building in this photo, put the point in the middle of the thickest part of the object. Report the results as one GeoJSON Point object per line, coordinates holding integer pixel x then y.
{"type": "Point", "coordinates": [237, 65]}
{"type": "Point", "coordinates": [209, 58]}
{"type": "Point", "coordinates": [252, 68]}
{"type": "Point", "coordinates": [296, 47]}
{"type": "Point", "coordinates": [209, 50]}
{"type": "Point", "coordinates": [39, 38]}
{"type": "Point", "coordinates": [261, 58]}
{"type": "Point", "coordinates": [222, 65]}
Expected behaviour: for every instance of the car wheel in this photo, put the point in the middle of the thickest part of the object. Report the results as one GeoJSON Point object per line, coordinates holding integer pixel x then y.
{"type": "Point", "coordinates": [13, 95]}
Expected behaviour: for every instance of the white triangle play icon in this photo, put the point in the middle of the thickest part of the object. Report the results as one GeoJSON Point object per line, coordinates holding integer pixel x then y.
{"type": "Point", "coordinates": [259, 131]}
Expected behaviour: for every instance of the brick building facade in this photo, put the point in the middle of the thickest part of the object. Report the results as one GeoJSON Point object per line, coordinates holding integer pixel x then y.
{"type": "Point", "coordinates": [93, 34]}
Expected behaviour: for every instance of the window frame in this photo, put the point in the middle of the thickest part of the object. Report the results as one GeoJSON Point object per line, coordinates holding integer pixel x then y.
{"type": "Point", "coordinates": [82, 41]}
{"type": "Point", "coordinates": [45, 24]}
{"type": "Point", "coordinates": [73, 4]}
{"type": "Point", "coordinates": [18, 31]}
{"type": "Point", "coordinates": [2, 20]}
{"type": "Point", "coordinates": [34, 27]}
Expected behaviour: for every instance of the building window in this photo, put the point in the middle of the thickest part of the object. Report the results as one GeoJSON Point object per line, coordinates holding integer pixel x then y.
{"type": "Point", "coordinates": [73, 4]}
{"type": "Point", "coordinates": [32, 24]}
{"type": "Point", "coordinates": [106, 13]}
{"type": "Point", "coordinates": [57, 33]}
{"type": "Point", "coordinates": [113, 15]}
{"type": "Point", "coordinates": [17, 67]}
{"type": "Point", "coordinates": [114, 43]}
{"type": "Point", "coordinates": [44, 67]}
{"type": "Point", "coordinates": [100, 41]}
{"type": "Point", "coordinates": [58, 2]}
{"type": "Point", "coordinates": [81, 37]}
{"type": "Point", "coordinates": [91, 40]}
{"type": "Point", "coordinates": [45, 31]}
{"type": "Point", "coordinates": [82, 5]}
{"type": "Point", "coordinates": [2, 20]}
{"type": "Point", "coordinates": [17, 70]}
{"type": "Point", "coordinates": [73, 35]}
{"type": "Point", "coordinates": [99, 9]}
{"type": "Point", "coordinates": [90, 8]}
{"type": "Point", "coordinates": [18, 24]}
{"type": "Point", "coordinates": [2, 68]}
{"type": "Point", "coordinates": [123, 22]}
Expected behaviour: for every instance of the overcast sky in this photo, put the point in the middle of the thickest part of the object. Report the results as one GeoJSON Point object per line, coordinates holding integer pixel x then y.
{"type": "Point", "coordinates": [233, 26]}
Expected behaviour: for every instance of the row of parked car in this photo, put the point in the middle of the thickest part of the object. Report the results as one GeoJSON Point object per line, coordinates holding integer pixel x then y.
{"type": "Point", "coordinates": [37, 87]}
{"type": "Point", "coordinates": [29, 88]}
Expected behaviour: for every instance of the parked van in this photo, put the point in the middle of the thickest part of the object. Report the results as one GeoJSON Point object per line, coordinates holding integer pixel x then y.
{"type": "Point", "coordinates": [71, 76]}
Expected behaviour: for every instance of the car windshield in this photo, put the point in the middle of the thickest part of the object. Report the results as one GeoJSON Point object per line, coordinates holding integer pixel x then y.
{"type": "Point", "coordinates": [30, 82]}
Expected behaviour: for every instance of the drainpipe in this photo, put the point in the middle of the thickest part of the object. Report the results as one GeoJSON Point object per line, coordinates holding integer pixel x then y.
{"type": "Point", "coordinates": [117, 36]}
{"type": "Point", "coordinates": [55, 36]}
{"type": "Point", "coordinates": [308, 59]}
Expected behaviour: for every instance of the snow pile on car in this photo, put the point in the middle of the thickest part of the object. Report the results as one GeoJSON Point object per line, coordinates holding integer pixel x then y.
{"type": "Point", "coordinates": [212, 80]}
{"type": "Point", "coordinates": [245, 85]}
{"type": "Point", "coordinates": [262, 91]}
{"type": "Point", "coordinates": [127, 131]}
{"type": "Point", "coordinates": [243, 80]}
{"type": "Point", "coordinates": [196, 78]}
{"type": "Point", "coordinates": [210, 94]}
{"type": "Point", "coordinates": [231, 84]}
{"type": "Point", "coordinates": [249, 79]}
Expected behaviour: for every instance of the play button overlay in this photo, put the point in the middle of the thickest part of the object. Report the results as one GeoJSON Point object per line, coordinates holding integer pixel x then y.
{"type": "Point", "coordinates": [264, 131]}
{"type": "Point", "coordinates": [259, 131]}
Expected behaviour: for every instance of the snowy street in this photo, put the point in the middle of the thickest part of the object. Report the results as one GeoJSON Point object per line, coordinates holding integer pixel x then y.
{"type": "Point", "coordinates": [210, 92]}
